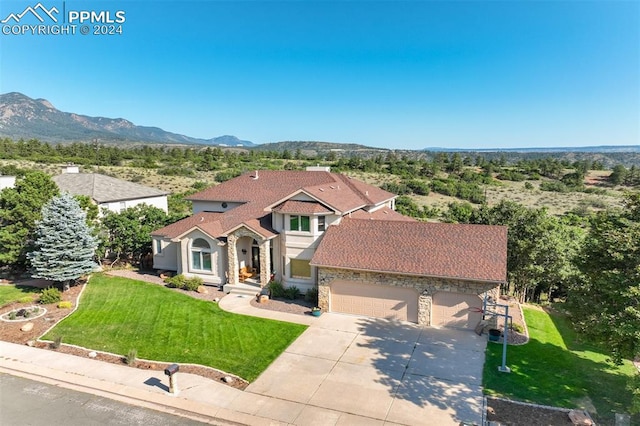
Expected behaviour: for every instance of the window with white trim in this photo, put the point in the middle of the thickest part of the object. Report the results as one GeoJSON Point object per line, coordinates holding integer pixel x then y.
{"type": "Point", "coordinates": [322, 226]}
{"type": "Point", "coordinates": [158, 246]}
{"type": "Point", "coordinates": [300, 268]}
{"type": "Point", "coordinates": [299, 223]}
{"type": "Point", "coordinates": [200, 255]}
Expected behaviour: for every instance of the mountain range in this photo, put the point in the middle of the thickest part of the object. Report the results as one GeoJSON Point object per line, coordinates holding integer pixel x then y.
{"type": "Point", "coordinates": [27, 118]}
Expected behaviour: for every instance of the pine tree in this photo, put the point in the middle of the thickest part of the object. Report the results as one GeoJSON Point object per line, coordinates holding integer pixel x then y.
{"type": "Point", "coordinates": [64, 242]}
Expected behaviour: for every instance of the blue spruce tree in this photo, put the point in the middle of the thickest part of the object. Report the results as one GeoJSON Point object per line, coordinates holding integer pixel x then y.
{"type": "Point", "coordinates": [64, 245]}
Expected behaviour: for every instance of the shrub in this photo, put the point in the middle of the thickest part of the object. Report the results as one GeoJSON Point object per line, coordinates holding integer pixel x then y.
{"type": "Point", "coordinates": [292, 292]}
{"type": "Point", "coordinates": [130, 358]}
{"type": "Point", "coordinates": [65, 304]}
{"type": "Point", "coordinates": [528, 185]}
{"type": "Point", "coordinates": [12, 315]}
{"type": "Point", "coordinates": [517, 328]}
{"type": "Point", "coordinates": [192, 284]}
{"type": "Point", "coordinates": [50, 295]}
{"type": "Point", "coordinates": [277, 289]}
{"type": "Point", "coordinates": [26, 299]}
{"type": "Point", "coordinates": [176, 282]}
{"type": "Point", "coordinates": [56, 342]}
{"type": "Point", "coordinates": [311, 295]}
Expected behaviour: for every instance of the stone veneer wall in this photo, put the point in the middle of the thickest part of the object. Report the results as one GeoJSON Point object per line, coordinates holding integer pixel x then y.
{"type": "Point", "coordinates": [426, 286]}
{"type": "Point", "coordinates": [232, 256]}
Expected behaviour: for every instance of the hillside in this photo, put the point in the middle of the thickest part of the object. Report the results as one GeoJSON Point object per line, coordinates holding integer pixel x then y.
{"type": "Point", "coordinates": [22, 117]}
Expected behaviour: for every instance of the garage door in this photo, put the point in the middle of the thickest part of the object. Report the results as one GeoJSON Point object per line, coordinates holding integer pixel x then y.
{"type": "Point", "coordinates": [455, 310]}
{"type": "Point", "coordinates": [372, 300]}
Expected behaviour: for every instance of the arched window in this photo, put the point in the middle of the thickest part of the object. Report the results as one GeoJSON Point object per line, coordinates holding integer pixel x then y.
{"type": "Point", "coordinates": [200, 255]}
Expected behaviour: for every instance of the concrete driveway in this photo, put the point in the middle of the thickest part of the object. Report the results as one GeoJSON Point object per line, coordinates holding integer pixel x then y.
{"type": "Point", "coordinates": [344, 368]}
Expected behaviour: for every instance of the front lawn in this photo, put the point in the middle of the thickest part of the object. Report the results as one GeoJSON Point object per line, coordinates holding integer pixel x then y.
{"type": "Point", "coordinates": [118, 314]}
{"type": "Point", "coordinates": [13, 293]}
{"type": "Point", "coordinates": [556, 369]}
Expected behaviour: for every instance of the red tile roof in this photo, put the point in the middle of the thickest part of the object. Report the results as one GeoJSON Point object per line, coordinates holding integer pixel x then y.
{"type": "Point", "coordinates": [470, 252]}
{"type": "Point", "coordinates": [259, 191]}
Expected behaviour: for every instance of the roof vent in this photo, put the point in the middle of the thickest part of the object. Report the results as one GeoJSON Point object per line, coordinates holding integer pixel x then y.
{"type": "Point", "coordinates": [366, 193]}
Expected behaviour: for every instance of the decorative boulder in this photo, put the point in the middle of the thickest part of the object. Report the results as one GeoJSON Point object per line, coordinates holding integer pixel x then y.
{"type": "Point", "coordinates": [93, 354]}
{"type": "Point", "coordinates": [227, 379]}
{"type": "Point", "coordinates": [27, 327]}
{"type": "Point", "coordinates": [202, 289]}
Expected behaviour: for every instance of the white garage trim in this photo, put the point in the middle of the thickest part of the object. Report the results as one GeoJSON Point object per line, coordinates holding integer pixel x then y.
{"type": "Point", "coordinates": [459, 310]}
{"type": "Point", "coordinates": [378, 301]}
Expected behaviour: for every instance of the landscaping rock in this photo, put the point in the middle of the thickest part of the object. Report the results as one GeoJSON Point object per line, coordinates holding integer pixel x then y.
{"type": "Point", "coordinates": [93, 354]}
{"type": "Point", "coordinates": [202, 289]}
{"type": "Point", "coordinates": [580, 418]}
{"type": "Point", "coordinates": [217, 299]}
{"type": "Point", "coordinates": [27, 327]}
{"type": "Point", "coordinates": [31, 343]}
{"type": "Point", "coordinates": [227, 379]}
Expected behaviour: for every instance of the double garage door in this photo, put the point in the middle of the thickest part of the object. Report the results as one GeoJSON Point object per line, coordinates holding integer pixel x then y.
{"type": "Point", "coordinates": [448, 309]}
{"type": "Point", "coordinates": [457, 310]}
{"type": "Point", "coordinates": [373, 300]}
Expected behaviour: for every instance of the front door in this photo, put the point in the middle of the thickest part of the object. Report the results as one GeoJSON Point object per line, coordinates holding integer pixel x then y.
{"type": "Point", "coordinates": [255, 258]}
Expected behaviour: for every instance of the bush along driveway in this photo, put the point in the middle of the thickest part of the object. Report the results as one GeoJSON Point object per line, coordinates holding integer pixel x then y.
{"type": "Point", "coordinates": [118, 314]}
{"type": "Point", "coordinates": [556, 369]}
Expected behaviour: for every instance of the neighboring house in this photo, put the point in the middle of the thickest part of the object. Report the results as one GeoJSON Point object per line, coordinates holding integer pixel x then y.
{"type": "Point", "coordinates": [319, 229]}
{"type": "Point", "coordinates": [7, 182]}
{"type": "Point", "coordinates": [109, 193]}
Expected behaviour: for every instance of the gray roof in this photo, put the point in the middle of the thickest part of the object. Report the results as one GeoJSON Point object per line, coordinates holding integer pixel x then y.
{"type": "Point", "coordinates": [104, 189]}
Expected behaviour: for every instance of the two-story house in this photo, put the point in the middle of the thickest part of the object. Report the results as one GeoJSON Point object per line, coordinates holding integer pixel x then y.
{"type": "Point", "coordinates": [372, 261]}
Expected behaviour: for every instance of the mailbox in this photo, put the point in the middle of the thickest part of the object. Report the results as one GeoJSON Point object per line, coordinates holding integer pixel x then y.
{"type": "Point", "coordinates": [171, 370]}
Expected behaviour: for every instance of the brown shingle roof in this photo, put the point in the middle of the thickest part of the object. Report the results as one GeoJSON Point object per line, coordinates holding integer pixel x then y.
{"type": "Point", "coordinates": [274, 186]}
{"type": "Point", "coordinates": [471, 252]}
{"type": "Point", "coordinates": [384, 213]}
{"type": "Point", "coordinates": [302, 207]}
{"type": "Point", "coordinates": [208, 222]}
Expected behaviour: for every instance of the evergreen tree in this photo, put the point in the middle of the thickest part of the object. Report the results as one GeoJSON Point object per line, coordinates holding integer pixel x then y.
{"type": "Point", "coordinates": [65, 245]}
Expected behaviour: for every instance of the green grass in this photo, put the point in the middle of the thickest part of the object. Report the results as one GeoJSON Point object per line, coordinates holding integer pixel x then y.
{"type": "Point", "coordinates": [119, 314]}
{"type": "Point", "coordinates": [12, 293]}
{"type": "Point", "coordinates": [556, 369]}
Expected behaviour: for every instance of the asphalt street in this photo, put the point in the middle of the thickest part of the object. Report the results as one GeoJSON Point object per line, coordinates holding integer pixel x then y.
{"type": "Point", "coordinates": [26, 402]}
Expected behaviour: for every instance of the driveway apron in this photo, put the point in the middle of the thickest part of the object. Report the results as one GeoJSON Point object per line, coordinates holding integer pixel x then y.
{"type": "Point", "coordinates": [345, 367]}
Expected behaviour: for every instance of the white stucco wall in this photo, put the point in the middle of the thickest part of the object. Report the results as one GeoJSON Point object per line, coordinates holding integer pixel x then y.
{"type": "Point", "coordinates": [168, 257]}
{"type": "Point", "coordinates": [213, 206]}
{"type": "Point", "coordinates": [218, 259]}
{"type": "Point", "coordinates": [117, 206]}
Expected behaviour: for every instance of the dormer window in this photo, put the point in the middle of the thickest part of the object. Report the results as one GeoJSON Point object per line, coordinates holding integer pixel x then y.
{"type": "Point", "coordinates": [299, 223]}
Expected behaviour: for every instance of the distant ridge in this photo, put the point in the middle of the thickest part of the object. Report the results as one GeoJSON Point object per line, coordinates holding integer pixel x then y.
{"type": "Point", "coordinates": [599, 148]}
{"type": "Point", "coordinates": [27, 118]}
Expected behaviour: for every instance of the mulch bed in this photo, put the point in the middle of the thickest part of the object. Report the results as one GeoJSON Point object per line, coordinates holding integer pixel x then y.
{"type": "Point", "coordinates": [512, 413]}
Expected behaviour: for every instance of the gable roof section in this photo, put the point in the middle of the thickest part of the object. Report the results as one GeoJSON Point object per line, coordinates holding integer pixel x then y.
{"type": "Point", "coordinates": [104, 189]}
{"type": "Point", "coordinates": [302, 207]}
{"type": "Point", "coordinates": [470, 252]}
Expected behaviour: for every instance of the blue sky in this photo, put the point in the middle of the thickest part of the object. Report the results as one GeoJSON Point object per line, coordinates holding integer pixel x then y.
{"type": "Point", "coordinates": [393, 74]}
